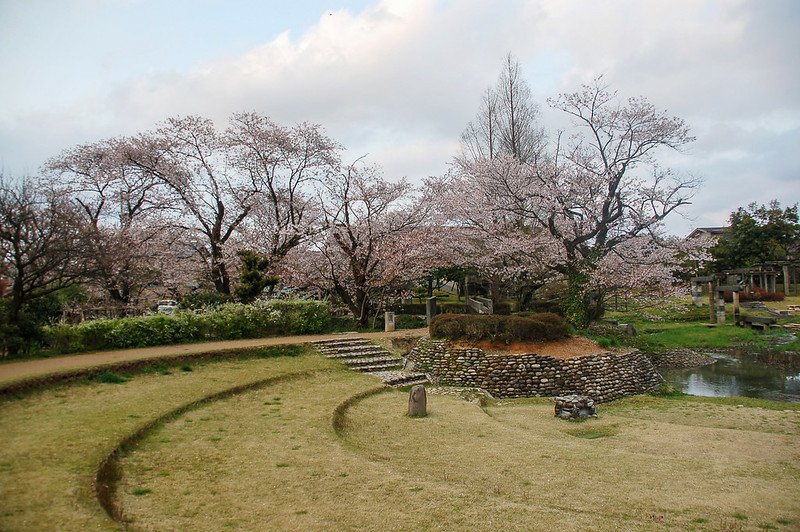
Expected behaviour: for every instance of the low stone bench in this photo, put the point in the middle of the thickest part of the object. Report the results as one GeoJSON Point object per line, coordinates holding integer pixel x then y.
{"type": "Point", "coordinates": [575, 407]}
{"type": "Point", "coordinates": [756, 322]}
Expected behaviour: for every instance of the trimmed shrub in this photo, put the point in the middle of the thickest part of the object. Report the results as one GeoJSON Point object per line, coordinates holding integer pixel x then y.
{"type": "Point", "coordinates": [495, 328]}
{"type": "Point", "coordinates": [230, 321]}
{"type": "Point", "coordinates": [756, 295]}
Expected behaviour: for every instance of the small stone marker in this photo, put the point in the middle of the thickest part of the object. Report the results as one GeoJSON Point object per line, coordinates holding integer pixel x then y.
{"type": "Point", "coordinates": [418, 402]}
{"type": "Point", "coordinates": [388, 321]}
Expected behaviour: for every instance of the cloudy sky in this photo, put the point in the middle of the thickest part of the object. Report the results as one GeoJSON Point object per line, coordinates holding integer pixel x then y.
{"type": "Point", "coordinates": [399, 79]}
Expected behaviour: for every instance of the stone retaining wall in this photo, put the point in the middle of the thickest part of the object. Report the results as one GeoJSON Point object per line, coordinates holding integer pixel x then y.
{"type": "Point", "coordinates": [602, 377]}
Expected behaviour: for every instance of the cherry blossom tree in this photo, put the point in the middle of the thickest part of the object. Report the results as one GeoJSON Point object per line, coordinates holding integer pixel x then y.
{"type": "Point", "coordinates": [210, 198]}
{"type": "Point", "coordinates": [286, 164]}
{"type": "Point", "coordinates": [374, 241]}
{"type": "Point", "coordinates": [598, 189]}
{"type": "Point", "coordinates": [39, 239]}
{"type": "Point", "coordinates": [120, 210]}
{"type": "Point", "coordinates": [247, 184]}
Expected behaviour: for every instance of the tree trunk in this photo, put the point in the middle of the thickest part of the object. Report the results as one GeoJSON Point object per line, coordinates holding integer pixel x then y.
{"type": "Point", "coordinates": [576, 303]}
{"type": "Point", "coordinates": [362, 304]}
{"type": "Point", "coordinates": [495, 288]}
{"type": "Point", "coordinates": [219, 273]}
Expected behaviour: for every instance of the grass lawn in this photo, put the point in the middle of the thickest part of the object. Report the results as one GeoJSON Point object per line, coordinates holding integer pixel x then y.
{"type": "Point", "coordinates": [677, 324]}
{"type": "Point", "coordinates": [270, 458]}
{"type": "Point", "coordinates": [654, 337]}
{"type": "Point", "coordinates": [52, 441]}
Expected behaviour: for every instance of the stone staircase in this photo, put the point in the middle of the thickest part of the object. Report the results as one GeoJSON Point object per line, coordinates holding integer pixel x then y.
{"type": "Point", "coordinates": [362, 355]}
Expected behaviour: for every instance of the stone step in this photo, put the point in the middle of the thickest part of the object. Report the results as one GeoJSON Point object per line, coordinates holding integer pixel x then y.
{"type": "Point", "coordinates": [371, 361]}
{"type": "Point", "coordinates": [349, 349]}
{"type": "Point", "coordinates": [342, 342]}
{"type": "Point", "coordinates": [380, 366]}
{"type": "Point", "coordinates": [401, 378]}
{"type": "Point", "coordinates": [362, 355]}
{"type": "Point", "coordinates": [358, 354]}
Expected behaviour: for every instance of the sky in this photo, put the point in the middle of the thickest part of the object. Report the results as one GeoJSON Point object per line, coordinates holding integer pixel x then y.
{"type": "Point", "coordinates": [398, 80]}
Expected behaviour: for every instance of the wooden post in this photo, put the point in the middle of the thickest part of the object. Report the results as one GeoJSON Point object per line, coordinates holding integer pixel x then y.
{"type": "Point", "coordinates": [736, 308]}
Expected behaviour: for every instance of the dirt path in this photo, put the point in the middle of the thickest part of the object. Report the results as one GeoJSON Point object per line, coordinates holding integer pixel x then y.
{"type": "Point", "coordinates": [14, 371]}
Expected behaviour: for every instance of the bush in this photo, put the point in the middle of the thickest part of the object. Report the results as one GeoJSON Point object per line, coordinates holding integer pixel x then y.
{"type": "Point", "coordinates": [454, 307]}
{"type": "Point", "coordinates": [756, 295]}
{"type": "Point", "coordinates": [542, 305]}
{"type": "Point", "coordinates": [229, 321]}
{"type": "Point", "coordinates": [418, 309]}
{"type": "Point", "coordinates": [203, 299]}
{"type": "Point", "coordinates": [407, 321]}
{"type": "Point", "coordinates": [503, 308]}
{"type": "Point", "coordinates": [495, 328]}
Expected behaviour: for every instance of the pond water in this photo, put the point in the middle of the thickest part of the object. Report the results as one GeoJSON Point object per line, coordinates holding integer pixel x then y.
{"type": "Point", "coordinates": [773, 376]}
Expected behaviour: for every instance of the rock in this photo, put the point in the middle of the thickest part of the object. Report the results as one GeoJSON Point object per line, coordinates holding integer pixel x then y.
{"type": "Point", "coordinates": [418, 402]}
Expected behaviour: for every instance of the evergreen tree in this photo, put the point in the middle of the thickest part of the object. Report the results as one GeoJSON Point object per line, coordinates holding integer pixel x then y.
{"type": "Point", "coordinates": [758, 234]}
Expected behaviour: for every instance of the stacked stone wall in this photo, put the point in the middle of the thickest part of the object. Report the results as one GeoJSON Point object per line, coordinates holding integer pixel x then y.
{"type": "Point", "coordinates": [602, 377]}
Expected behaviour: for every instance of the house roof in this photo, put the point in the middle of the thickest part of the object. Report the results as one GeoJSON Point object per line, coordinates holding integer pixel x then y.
{"type": "Point", "coordinates": [713, 231]}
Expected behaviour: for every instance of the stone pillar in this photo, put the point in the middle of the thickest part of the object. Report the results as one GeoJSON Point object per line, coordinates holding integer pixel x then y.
{"type": "Point", "coordinates": [697, 294]}
{"type": "Point", "coordinates": [388, 321]}
{"type": "Point", "coordinates": [430, 309]}
{"type": "Point", "coordinates": [418, 402]}
{"type": "Point", "coordinates": [720, 307]}
{"type": "Point", "coordinates": [736, 307]}
{"type": "Point", "coordinates": [712, 313]}
{"type": "Point", "coordinates": [786, 279]}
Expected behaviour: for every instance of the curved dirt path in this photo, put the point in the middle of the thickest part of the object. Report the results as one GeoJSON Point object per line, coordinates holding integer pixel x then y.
{"type": "Point", "coordinates": [25, 369]}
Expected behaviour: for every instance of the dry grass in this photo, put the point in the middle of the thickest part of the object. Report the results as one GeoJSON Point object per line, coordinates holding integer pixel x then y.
{"type": "Point", "coordinates": [52, 441]}
{"type": "Point", "coordinates": [270, 459]}
{"type": "Point", "coordinates": [271, 456]}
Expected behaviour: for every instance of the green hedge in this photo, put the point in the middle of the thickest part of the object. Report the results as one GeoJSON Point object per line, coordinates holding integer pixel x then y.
{"type": "Point", "coordinates": [418, 309]}
{"type": "Point", "coordinates": [454, 307]}
{"type": "Point", "coordinates": [228, 322]}
{"type": "Point", "coordinates": [537, 327]}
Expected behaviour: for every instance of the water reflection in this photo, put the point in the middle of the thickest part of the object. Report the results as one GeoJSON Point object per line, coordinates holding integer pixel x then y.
{"type": "Point", "coordinates": [742, 374]}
